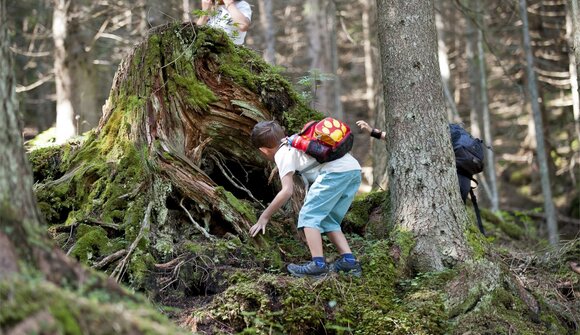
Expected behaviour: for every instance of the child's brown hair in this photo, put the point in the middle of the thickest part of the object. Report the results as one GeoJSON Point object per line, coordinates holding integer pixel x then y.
{"type": "Point", "coordinates": [267, 134]}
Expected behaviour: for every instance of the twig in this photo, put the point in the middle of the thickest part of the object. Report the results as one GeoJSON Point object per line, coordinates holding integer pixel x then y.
{"type": "Point", "coordinates": [110, 259]}
{"type": "Point", "coordinates": [229, 176]}
{"type": "Point", "coordinates": [195, 224]}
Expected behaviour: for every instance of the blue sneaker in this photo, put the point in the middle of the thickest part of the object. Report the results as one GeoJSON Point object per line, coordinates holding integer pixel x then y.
{"type": "Point", "coordinates": [309, 269]}
{"type": "Point", "coordinates": [340, 265]}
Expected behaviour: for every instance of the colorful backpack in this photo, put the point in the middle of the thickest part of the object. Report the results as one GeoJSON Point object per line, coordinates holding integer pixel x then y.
{"type": "Point", "coordinates": [325, 140]}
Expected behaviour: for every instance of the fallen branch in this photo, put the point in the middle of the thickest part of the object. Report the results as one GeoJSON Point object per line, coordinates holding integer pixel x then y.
{"type": "Point", "coordinates": [110, 259]}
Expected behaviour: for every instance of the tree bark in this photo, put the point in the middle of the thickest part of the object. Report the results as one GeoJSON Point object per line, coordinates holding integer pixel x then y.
{"type": "Point", "coordinates": [574, 10]}
{"type": "Point", "coordinates": [423, 182]}
{"type": "Point", "coordinates": [549, 208]}
{"type": "Point", "coordinates": [16, 198]}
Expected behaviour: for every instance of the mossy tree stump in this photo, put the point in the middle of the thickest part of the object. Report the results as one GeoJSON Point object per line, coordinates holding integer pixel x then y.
{"type": "Point", "coordinates": [171, 160]}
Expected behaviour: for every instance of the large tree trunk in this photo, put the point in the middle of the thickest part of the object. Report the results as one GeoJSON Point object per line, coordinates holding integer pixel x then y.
{"type": "Point", "coordinates": [41, 290]}
{"type": "Point", "coordinates": [541, 154]}
{"type": "Point", "coordinates": [423, 182]}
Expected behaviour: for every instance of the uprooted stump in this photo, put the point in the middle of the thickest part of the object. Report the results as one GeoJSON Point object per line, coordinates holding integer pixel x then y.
{"type": "Point", "coordinates": [171, 162]}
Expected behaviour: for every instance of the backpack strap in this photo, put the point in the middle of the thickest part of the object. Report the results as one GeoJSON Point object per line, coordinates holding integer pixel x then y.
{"type": "Point", "coordinates": [477, 213]}
{"type": "Point", "coordinates": [284, 142]}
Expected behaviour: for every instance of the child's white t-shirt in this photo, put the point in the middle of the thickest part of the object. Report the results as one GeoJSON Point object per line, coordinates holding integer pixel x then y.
{"type": "Point", "coordinates": [223, 20]}
{"type": "Point", "coordinates": [289, 159]}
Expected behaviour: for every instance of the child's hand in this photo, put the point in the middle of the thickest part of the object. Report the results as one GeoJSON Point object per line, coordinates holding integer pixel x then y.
{"type": "Point", "coordinates": [364, 126]}
{"type": "Point", "coordinates": [260, 225]}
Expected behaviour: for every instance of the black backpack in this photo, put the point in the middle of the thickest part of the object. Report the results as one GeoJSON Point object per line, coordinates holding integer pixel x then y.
{"type": "Point", "coordinates": [469, 160]}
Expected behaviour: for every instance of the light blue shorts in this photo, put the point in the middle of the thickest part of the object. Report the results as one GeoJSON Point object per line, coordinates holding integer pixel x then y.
{"type": "Point", "coordinates": [328, 199]}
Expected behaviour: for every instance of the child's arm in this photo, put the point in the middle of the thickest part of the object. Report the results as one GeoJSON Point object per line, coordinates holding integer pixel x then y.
{"type": "Point", "coordinates": [376, 133]}
{"type": "Point", "coordinates": [279, 200]}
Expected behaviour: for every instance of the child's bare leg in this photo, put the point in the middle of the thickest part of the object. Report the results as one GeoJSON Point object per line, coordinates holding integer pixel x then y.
{"type": "Point", "coordinates": [314, 241]}
{"type": "Point", "coordinates": [338, 239]}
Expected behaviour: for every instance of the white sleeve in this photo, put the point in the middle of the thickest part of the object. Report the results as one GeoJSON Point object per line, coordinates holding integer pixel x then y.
{"type": "Point", "coordinates": [245, 9]}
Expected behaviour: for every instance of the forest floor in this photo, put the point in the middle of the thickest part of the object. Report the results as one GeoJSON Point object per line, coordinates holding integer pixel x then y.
{"type": "Point", "coordinates": [515, 245]}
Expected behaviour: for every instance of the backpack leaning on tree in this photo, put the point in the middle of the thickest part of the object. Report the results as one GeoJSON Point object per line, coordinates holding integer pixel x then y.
{"type": "Point", "coordinates": [469, 158]}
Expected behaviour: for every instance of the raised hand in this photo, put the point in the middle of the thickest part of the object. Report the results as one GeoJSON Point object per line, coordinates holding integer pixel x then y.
{"type": "Point", "coordinates": [364, 126]}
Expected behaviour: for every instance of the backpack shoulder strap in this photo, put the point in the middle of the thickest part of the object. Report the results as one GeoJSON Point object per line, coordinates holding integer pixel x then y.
{"type": "Point", "coordinates": [477, 212]}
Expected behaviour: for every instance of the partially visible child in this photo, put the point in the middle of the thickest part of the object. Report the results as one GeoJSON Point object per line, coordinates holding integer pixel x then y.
{"type": "Point", "coordinates": [334, 185]}
{"type": "Point", "coordinates": [464, 182]}
{"type": "Point", "coordinates": [233, 16]}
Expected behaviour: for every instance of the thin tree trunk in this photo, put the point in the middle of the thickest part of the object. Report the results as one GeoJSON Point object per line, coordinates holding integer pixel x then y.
{"type": "Point", "coordinates": [323, 57]}
{"type": "Point", "coordinates": [268, 29]}
{"type": "Point", "coordinates": [573, 36]}
{"type": "Point", "coordinates": [186, 10]}
{"type": "Point", "coordinates": [331, 37]}
{"type": "Point", "coordinates": [490, 171]}
{"type": "Point", "coordinates": [538, 123]}
{"type": "Point", "coordinates": [423, 184]}
{"type": "Point", "coordinates": [452, 114]}
{"type": "Point", "coordinates": [65, 113]}
{"type": "Point", "coordinates": [375, 101]}
{"type": "Point", "coordinates": [574, 10]}
{"type": "Point", "coordinates": [473, 71]}
{"type": "Point", "coordinates": [367, 46]}
{"type": "Point", "coordinates": [77, 109]}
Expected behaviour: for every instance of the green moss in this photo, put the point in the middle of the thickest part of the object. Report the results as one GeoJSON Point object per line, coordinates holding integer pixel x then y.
{"type": "Point", "coordinates": [140, 268]}
{"type": "Point", "coordinates": [45, 163]}
{"type": "Point", "coordinates": [358, 217]}
{"type": "Point", "coordinates": [198, 95]}
{"type": "Point", "coordinates": [92, 242]}
{"type": "Point", "coordinates": [476, 241]}
{"type": "Point", "coordinates": [75, 310]}
{"type": "Point", "coordinates": [240, 206]}
{"type": "Point", "coordinates": [66, 317]}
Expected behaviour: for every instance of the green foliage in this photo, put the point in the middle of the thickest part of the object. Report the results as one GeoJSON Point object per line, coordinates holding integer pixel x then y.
{"type": "Point", "coordinates": [311, 83]}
